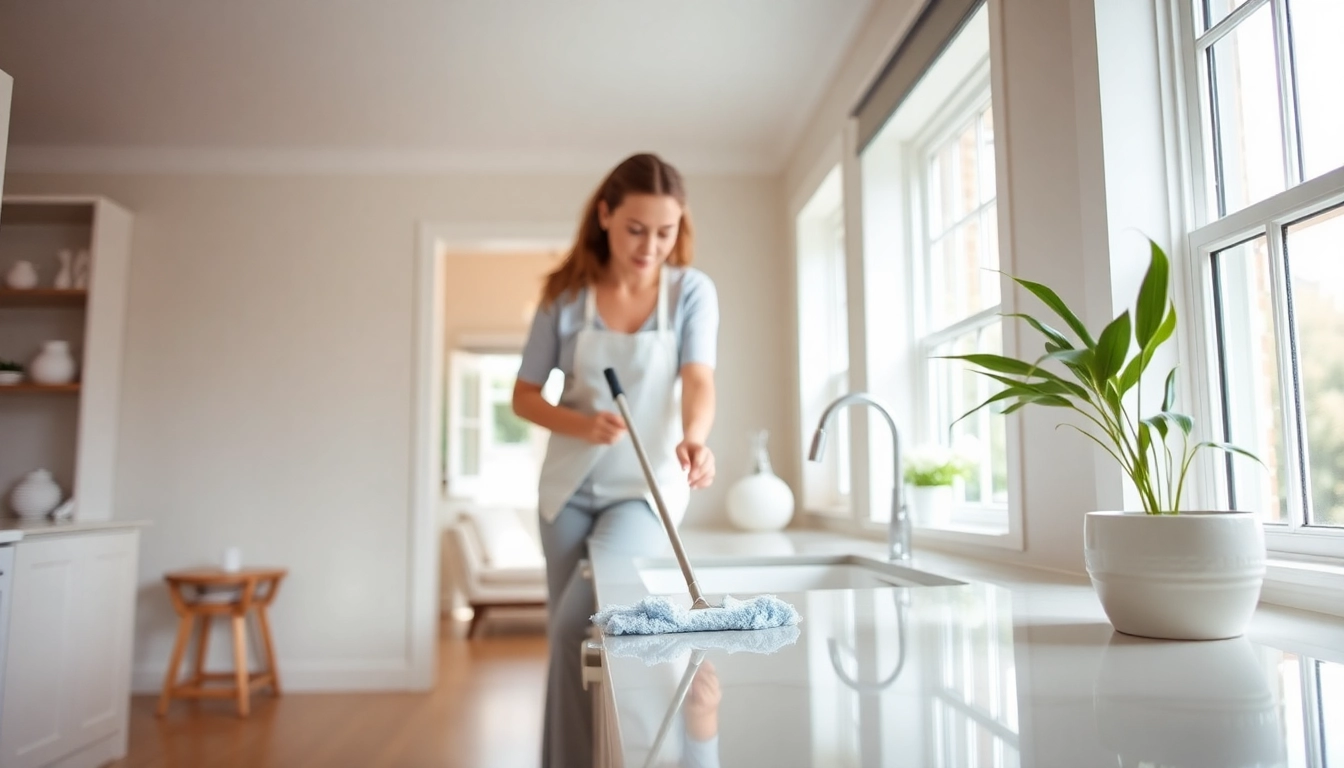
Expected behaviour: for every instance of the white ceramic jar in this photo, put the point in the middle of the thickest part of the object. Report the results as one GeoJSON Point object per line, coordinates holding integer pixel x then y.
{"type": "Point", "coordinates": [53, 365]}
{"type": "Point", "coordinates": [21, 276]}
{"type": "Point", "coordinates": [35, 495]}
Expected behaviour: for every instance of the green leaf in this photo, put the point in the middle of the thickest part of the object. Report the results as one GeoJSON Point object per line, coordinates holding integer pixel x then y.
{"type": "Point", "coordinates": [1145, 437]}
{"type": "Point", "coordinates": [1112, 348]}
{"type": "Point", "coordinates": [1152, 302]}
{"type": "Point", "coordinates": [1052, 300]}
{"type": "Point", "coordinates": [997, 363]}
{"type": "Point", "coordinates": [1055, 337]}
{"type": "Point", "coordinates": [1164, 330]}
{"type": "Point", "coordinates": [1186, 423]}
{"type": "Point", "coordinates": [1169, 399]}
{"type": "Point", "coordinates": [1160, 422]}
{"type": "Point", "coordinates": [1230, 449]}
{"type": "Point", "coordinates": [996, 397]}
{"type": "Point", "coordinates": [1049, 385]}
{"type": "Point", "coordinates": [1139, 363]}
{"type": "Point", "coordinates": [1112, 395]}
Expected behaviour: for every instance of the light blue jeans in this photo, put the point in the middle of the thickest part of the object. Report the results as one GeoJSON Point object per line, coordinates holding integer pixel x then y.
{"type": "Point", "coordinates": [625, 526]}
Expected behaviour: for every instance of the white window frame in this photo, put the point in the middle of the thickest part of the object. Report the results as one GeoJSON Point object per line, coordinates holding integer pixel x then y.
{"type": "Point", "coordinates": [1209, 233]}
{"type": "Point", "coordinates": [821, 252]}
{"type": "Point", "coordinates": [968, 101]}
{"type": "Point", "coordinates": [463, 486]}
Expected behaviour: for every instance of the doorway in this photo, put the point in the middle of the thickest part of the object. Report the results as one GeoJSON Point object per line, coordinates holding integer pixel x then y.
{"type": "Point", "coordinates": [433, 340]}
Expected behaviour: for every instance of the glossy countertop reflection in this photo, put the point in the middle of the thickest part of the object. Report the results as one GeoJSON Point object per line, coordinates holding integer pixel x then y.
{"type": "Point", "coordinates": [1013, 668]}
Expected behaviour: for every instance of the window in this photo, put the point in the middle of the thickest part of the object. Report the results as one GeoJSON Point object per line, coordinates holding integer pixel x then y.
{"type": "Point", "coordinates": [492, 455]}
{"type": "Point", "coordinates": [934, 183]}
{"type": "Point", "coordinates": [957, 304]}
{"type": "Point", "coordinates": [823, 332]}
{"type": "Point", "coordinates": [1268, 209]}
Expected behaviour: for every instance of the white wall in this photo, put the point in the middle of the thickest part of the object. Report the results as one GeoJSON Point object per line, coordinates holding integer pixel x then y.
{"type": "Point", "coordinates": [267, 394]}
{"type": "Point", "coordinates": [1063, 206]}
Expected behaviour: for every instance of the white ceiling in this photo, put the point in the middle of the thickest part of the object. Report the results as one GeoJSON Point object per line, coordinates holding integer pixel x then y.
{"type": "Point", "coordinates": [714, 84]}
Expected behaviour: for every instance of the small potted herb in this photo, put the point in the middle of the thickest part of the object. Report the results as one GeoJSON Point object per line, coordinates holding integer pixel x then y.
{"type": "Point", "coordinates": [10, 372]}
{"type": "Point", "coordinates": [931, 471]}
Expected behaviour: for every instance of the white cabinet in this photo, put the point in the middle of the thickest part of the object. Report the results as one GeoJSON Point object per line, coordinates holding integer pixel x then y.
{"type": "Point", "coordinates": [67, 668]}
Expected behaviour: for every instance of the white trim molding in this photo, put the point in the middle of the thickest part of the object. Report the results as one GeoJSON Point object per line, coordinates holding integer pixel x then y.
{"type": "Point", "coordinates": [38, 159]}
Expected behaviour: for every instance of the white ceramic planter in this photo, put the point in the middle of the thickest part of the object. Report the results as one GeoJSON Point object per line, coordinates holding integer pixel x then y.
{"type": "Point", "coordinates": [1192, 576]}
{"type": "Point", "coordinates": [930, 505]}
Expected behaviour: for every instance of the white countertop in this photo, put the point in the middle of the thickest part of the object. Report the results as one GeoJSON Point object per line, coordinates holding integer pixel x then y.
{"type": "Point", "coordinates": [14, 529]}
{"type": "Point", "coordinates": [1017, 667]}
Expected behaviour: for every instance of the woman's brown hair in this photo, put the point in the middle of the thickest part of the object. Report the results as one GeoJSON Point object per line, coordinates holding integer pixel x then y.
{"type": "Point", "coordinates": [644, 174]}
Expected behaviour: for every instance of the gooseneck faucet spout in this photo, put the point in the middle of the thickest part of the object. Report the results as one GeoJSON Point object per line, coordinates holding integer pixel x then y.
{"type": "Point", "coordinates": [898, 529]}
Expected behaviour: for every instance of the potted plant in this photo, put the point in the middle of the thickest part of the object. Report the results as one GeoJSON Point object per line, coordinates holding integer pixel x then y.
{"type": "Point", "coordinates": [10, 372]}
{"type": "Point", "coordinates": [930, 471]}
{"type": "Point", "coordinates": [1163, 572]}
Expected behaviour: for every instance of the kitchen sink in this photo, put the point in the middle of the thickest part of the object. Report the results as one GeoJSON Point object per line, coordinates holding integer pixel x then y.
{"type": "Point", "coordinates": [756, 575]}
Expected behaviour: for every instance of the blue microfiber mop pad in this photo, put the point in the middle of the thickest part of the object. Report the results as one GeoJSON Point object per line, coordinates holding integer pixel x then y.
{"type": "Point", "coordinates": [657, 615]}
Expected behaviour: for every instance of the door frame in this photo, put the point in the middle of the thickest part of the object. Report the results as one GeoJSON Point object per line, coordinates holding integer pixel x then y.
{"type": "Point", "coordinates": [434, 241]}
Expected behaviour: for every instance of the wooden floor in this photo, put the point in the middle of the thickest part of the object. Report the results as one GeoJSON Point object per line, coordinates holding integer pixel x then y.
{"type": "Point", "coordinates": [485, 711]}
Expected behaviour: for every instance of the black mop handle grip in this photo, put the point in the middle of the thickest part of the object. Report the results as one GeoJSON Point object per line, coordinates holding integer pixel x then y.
{"type": "Point", "coordinates": [613, 382]}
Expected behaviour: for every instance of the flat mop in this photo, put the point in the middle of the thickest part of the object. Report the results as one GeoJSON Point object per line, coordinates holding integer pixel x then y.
{"type": "Point", "coordinates": [656, 615]}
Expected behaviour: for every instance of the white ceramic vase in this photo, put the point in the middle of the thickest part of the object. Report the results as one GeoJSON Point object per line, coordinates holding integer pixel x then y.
{"type": "Point", "coordinates": [1192, 576]}
{"type": "Point", "coordinates": [35, 495]}
{"type": "Point", "coordinates": [65, 276]}
{"type": "Point", "coordinates": [760, 501]}
{"type": "Point", "coordinates": [21, 276]}
{"type": "Point", "coordinates": [930, 505]}
{"type": "Point", "coordinates": [53, 365]}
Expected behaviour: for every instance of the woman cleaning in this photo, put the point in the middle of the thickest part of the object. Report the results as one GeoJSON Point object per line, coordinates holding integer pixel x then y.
{"type": "Point", "coordinates": [626, 298]}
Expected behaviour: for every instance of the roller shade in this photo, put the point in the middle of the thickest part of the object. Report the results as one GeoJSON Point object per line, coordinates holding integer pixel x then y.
{"type": "Point", "coordinates": [937, 25]}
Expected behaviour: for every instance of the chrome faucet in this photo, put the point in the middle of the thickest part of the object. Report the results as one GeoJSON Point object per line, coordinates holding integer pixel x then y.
{"type": "Point", "coordinates": [898, 529]}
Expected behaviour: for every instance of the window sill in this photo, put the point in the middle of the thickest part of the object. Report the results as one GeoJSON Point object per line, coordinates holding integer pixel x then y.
{"type": "Point", "coordinates": [994, 536]}
{"type": "Point", "coordinates": [1310, 586]}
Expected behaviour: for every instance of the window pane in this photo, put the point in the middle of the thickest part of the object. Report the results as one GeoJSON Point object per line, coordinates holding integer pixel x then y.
{"type": "Point", "coordinates": [1217, 10]}
{"type": "Point", "coordinates": [1330, 689]}
{"type": "Point", "coordinates": [470, 464]}
{"type": "Point", "coordinates": [1318, 59]}
{"type": "Point", "coordinates": [954, 390]}
{"type": "Point", "coordinates": [989, 256]}
{"type": "Point", "coordinates": [1249, 355]}
{"type": "Point", "coordinates": [986, 153]}
{"type": "Point", "coordinates": [963, 229]}
{"type": "Point", "coordinates": [471, 395]}
{"type": "Point", "coordinates": [1316, 282]}
{"type": "Point", "coordinates": [1248, 132]}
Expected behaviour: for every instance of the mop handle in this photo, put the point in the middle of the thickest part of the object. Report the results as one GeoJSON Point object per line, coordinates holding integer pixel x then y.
{"type": "Point", "coordinates": [678, 698]}
{"type": "Point", "coordinates": [697, 600]}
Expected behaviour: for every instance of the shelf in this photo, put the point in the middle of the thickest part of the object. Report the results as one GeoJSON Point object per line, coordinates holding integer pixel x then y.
{"type": "Point", "coordinates": [28, 387]}
{"type": "Point", "coordinates": [43, 297]}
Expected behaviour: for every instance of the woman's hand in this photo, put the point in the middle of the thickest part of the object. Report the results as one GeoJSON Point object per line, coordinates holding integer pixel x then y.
{"type": "Point", "coordinates": [604, 428]}
{"type": "Point", "coordinates": [697, 461]}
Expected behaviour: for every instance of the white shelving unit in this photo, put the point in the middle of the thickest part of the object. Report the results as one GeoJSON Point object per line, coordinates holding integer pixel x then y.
{"type": "Point", "coordinates": [68, 429]}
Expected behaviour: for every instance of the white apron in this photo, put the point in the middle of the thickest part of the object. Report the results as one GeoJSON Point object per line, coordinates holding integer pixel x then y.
{"type": "Point", "coordinates": [646, 364]}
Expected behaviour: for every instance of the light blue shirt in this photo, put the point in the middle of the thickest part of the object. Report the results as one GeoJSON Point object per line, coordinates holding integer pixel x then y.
{"type": "Point", "coordinates": [694, 305]}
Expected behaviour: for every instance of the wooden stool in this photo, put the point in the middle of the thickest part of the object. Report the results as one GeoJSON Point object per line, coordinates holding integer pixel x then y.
{"type": "Point", "coordinates": [195, 594]}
